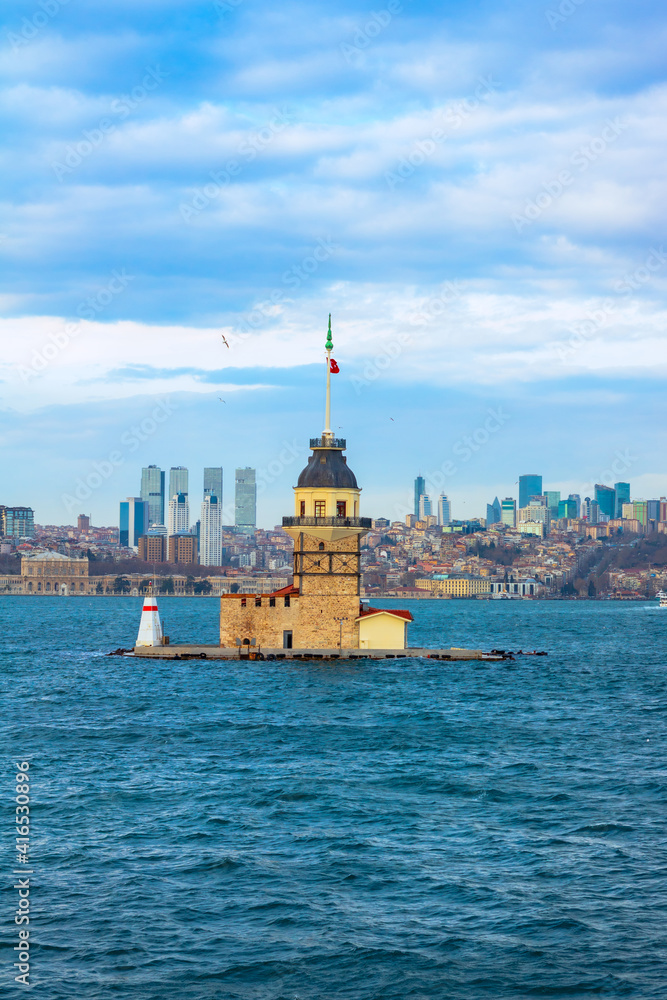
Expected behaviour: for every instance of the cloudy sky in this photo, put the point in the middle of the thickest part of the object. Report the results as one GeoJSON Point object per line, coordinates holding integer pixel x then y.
{"type": "Point", "coordinates": [475, 191]}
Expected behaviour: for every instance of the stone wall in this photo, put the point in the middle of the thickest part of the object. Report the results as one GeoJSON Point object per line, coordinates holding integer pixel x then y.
{"type": "Point", "coordinates": [311, 619]}
{"type": "Point", "coordinates": [333, 570]}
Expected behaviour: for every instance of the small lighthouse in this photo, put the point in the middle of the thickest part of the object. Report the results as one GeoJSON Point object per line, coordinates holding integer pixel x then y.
{"type": "Point", "coordinates": [150, 629]}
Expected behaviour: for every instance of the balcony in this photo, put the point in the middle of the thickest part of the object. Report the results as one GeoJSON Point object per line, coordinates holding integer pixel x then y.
{"type": "Point", "coordinates": [328, 522]}
{"type": "Point", "coordinates": [328, 442]}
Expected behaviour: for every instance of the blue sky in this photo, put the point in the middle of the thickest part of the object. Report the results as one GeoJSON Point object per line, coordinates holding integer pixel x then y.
{"type": "Point", "coordinates": [475, 191]}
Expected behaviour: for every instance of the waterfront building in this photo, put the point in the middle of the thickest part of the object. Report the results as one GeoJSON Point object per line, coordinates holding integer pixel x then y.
{"type": "Point", "coordinates": [133, 521]}
{"type": "Point", "coordinates": [517, 588]}
{"type": "Point", "coordinates": [179, 514]}
{"type": "Point", "coordinates": [508, 512]}
{"type": "Point", "coordinates": [529, 486]}
{"type": "Point", "coordinates": [213, 483]}
{"type": "Point", "coordinates": [606, 499]}
{"type": "Point", "coordinates": [210, 548]}
{"type": "Point", "coordinates": [622, 491]}
{"type": "Point", "coordinates": [444, 510]}
{"type": "Point", "coordinates": [322, 608]}
{"type": "Point", "coordinates": [424, 507]}
{"type": "Point", "coordinates": [178, 481]}
{"type": "Point", "coordinates": [245, 500]}
{"type": "Point", "coordinates": [455, 586]}
{"type": "Point", "coordinates": [152, 493]}
{"type": "Point", "coordinates": [54, 573]}
{"type": "Point", "coordinates": [493, 512]}
{"type": "Point", "coordinates": [420, 489]}
{"type": "Point", "coordinates": [17, 522]}
{"type": "Point", "coordinates": [182, 548]}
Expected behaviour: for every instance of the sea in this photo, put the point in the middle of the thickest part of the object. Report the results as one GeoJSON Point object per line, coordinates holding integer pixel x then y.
{"type": "Point", "coordinates": [364, 830]}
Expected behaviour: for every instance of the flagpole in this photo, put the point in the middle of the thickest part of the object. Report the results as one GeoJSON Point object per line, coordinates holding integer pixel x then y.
{"type": "Point", "coordinates": [329, 349]}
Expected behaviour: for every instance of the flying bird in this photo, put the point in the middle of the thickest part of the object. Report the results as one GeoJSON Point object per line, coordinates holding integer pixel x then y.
{"type": "Point", "coordinates": [224, 340]}
{"type": "Point", "coordinates": [221, 399]}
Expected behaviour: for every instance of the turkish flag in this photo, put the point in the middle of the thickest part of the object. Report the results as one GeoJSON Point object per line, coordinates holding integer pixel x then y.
{"type": "Point", "coordinates": [333, 366]}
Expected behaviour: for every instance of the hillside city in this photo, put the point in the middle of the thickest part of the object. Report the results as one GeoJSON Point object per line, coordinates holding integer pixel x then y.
{"type": "Point", "coordinates": [538, 546]}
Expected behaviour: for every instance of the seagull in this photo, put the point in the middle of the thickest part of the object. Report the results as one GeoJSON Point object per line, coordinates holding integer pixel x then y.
{"type": "Point", "coordinates": [391, 418]}
{"type": "Point", "coordinates": [224, 340]}
{"type": "Point", "coordinates": [221, 399]}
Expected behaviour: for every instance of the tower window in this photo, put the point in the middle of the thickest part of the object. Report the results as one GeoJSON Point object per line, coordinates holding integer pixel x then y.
{"type": "Point", "coordinates": [272, 602]}
{"type": "Point", "coordinates": [320, 508]}
{"type": "Point", "coordinates": [243, 602]}
{"type": "Point", "coordinates": [258, 602]}
{"type": "Point", "coordinates": [341, 508]}
{"type": "Point", "coordinates": [302, 508]}
{"type": "Point", "coordinates": [321, 546]}
{"type": "Point", "coordinates": [287, 602]}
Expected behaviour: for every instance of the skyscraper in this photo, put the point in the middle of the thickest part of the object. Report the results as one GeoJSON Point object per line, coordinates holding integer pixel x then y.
{"type": "Point", "coordinates": [152, 493]}
{"type": "Point", "coordinates": [577, 499]}
{"type": "Point", "coordinates": [590, 509]}
{"type": "Point", "coordinates": [553, 499]}
{"type": "Point", "coordinates": [493, 512]}
{"type": "Point", "coordinates": [245, 506]}
{"type": "Point", "coordinates": [210, 538]}
{"type": "Point", "coordinates": [178, 481]}
{"type": "Point", "coordinates": [179, 514]}
{"type": "Point", "coordinates": [529, 486]}
{"type": "Point", "coordinates": [606, 498]}
{"type": "Point", "coordinates": [17, 522]}
{"type": "Point", "coordinates": [425, 506]}
{"type": "Point", "coordinates": [133, 521]}
{"type": "Point", "coordinates": [444, 510]}
{"type": "Point", "coordinates": [568, 508]}
{"type": "Point", "coordinates": [420, 488]}
{"type": "Point", "coordinates": [508, 512]}
{"type": "Point", "coordinates": [622, 496]}
{"type": "Point", "coordinates": [213, 483]}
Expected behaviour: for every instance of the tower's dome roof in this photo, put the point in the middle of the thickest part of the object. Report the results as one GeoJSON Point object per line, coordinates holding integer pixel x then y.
{"type": "Point", "coordinates": [327, 468]}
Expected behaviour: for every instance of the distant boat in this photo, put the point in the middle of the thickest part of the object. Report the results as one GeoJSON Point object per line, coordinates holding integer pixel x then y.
{"type": "Point", "coordinates": [663, 598]}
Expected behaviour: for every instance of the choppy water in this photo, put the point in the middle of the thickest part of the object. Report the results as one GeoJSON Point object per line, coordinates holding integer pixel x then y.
{"type": "Point", "coordinates": [393, 829]}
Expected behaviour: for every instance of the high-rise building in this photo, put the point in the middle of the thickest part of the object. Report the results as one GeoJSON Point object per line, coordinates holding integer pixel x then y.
{"type": "Point", "coordinates": [493, 512]}
{"type": "Point", "coordinates": [182, 548]}
{"type": "Point", "coordinates": [536, 513]}
{"type": "Point", "coordinates": [210, 539]}
{"type": "Point", "coordinates": [444, 510]}
{"type": "Point", "coordinates": [653, 510]}
{"type": "Point", "coordinates": [529, 486]}
{"type": "Point", "coordinates": [178, 481]}
{"type": "Point", "coordinates": [553, 499]}
{"type": "Point", "coordinates": [179, 514]}
{"type": "Point", "coordinates": [590, 509]}
{"type": "Point", "coordinates": [606, 498]}
{"type": "Point", "coordinates": [508, 512]}
{"type": "Point", "coordinates": [17, 522]}
{"type": "Point", "coordinates": [153, 548]}
{"type": "Point", "coordinates": [636, 510]}
{"type": "Point", "coordinates": [567, 508]}
{"type": "Point", "coordinates": [133, 521]}
{"type": "Point", "coordinates": [577, 499]}
{"type": "Point", "coordinates": [425, 507]}
{"type": "Point", "coordinates": [83, 522]}
{"type": "Point", "coordinates": [245, 507]}
{"type": "Point", "coordinates": [152, 493]}
{"type": "Point", "coordinates": [213, 483]}
{"type": "Point", "coordinates": [622, 496]}
{"type": "Point", "coordinates": [420, 489]}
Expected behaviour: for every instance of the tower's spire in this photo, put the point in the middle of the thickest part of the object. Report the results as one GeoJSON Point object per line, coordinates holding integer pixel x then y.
{"type": "Point", "coordinates": [327, 416]}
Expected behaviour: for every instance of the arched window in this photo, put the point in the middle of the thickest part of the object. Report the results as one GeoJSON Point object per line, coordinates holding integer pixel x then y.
{"type": "Point", "coordinates": [321, 546]}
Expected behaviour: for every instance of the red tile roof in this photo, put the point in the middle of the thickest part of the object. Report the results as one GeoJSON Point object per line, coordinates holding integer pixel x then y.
{"type": "Point", "coordinates": [386, 611]}
{"type": "Point", "coordinates": [285, 591]}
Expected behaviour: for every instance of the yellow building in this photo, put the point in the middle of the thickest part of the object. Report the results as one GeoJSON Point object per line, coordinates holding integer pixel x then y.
{"type": "Point", "coordinates": [453, 586]}
{"type": "Point", "coordinates": [383, 628]}
{"type": "Point", "coordinates": [322, 608]}
{"type": "Point", "coordinates": [54, 573]}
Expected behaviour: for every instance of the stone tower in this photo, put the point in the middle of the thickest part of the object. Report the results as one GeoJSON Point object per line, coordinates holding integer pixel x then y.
{"type": "Point", "coordinates": [326, 528]}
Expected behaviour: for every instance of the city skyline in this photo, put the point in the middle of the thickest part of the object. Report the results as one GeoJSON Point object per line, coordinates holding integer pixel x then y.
{"type": "Point", "coordinates": [488, 315]}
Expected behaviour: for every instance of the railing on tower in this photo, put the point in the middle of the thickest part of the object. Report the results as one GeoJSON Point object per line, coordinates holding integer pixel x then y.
{"type": "Point", "coordinates": [328, 442]}
{"type": "Point", "coordinates": [327, 522]}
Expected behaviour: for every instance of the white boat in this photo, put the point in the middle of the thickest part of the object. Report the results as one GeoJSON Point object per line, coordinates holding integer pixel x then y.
{"type": "Point", "coordinates": [663, 598]}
